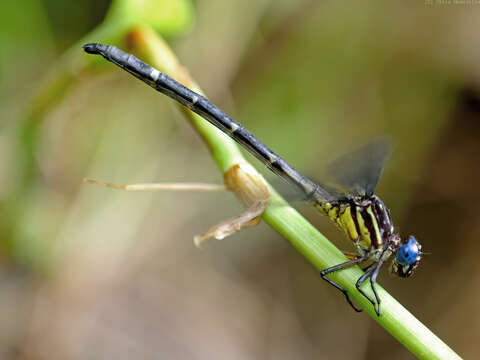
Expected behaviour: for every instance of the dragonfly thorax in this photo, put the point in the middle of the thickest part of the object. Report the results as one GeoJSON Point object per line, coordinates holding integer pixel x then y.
{"type": "Point", "coordinates": [365, 220]}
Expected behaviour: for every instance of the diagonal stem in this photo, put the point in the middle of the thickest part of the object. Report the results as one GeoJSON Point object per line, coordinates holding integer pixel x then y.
{"type": "Point", "coordinates": [398, 321]}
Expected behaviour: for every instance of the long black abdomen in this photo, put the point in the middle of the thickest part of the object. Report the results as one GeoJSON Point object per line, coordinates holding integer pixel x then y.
{"type": "Point", "coordinates": [200, 105]}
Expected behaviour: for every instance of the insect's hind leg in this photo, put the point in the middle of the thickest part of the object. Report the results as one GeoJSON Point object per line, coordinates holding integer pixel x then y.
{"type": "Point", "coordinates": [341, 266]}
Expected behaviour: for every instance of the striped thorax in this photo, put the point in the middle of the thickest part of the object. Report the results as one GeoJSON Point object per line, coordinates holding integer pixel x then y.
{"type": "Point", "coordinates": [365, 221]}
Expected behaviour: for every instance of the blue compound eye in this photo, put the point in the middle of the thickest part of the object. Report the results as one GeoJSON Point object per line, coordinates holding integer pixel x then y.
{"type": "Point", "coordinates": [408, 252]}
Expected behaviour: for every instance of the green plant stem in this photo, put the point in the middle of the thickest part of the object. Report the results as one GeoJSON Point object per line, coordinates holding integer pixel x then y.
{"type": "Point", "coordinates": [398, 321]}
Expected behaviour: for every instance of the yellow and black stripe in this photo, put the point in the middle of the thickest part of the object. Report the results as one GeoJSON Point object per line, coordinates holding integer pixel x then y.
{"type": "Point", "coordinates": [365, 221]}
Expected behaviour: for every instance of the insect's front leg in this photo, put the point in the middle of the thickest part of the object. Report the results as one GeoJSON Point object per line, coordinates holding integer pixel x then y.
{"type": "Point", "coordinates": [341, 266]}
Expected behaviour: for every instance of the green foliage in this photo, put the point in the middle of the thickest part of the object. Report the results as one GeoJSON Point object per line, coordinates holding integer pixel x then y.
{"type": "Point", "coordinates": [165, 16]}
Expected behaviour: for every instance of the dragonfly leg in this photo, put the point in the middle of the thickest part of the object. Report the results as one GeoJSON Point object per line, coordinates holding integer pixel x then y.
{"type": "Point", "coordinates": [373, 279]}
{"type": "Point", "coordinates": [351, 256]}
{"type": "Point", "coordinates": [341, 266]}
{"type": "Point", "coordinates": [365, 269]}
{"type": "Point", "coordinates": [370, 272]}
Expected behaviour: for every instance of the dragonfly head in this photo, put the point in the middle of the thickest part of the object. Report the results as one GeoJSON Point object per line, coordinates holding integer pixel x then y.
{"type": "Point", "coordinates": [407, 258]}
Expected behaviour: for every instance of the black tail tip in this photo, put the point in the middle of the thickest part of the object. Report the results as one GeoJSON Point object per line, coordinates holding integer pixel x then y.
{"type": "Point", "coordinates": [91, 48]}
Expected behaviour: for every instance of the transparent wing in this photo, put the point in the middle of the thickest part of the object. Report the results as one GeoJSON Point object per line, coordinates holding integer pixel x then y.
{"type": "Point", "coordinates": [359, 171]}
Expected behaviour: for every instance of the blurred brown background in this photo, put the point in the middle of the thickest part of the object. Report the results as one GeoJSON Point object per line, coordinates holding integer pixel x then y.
{"type": "Point", "coordinates": [91, 273]}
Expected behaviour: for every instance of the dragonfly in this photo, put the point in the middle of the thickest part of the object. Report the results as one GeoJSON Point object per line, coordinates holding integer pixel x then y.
{"type": "Point", "coordinates": [351, 204]}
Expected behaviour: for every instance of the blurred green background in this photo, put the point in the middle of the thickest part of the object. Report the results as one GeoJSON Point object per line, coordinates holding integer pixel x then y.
{"type": "Point", "coordinates": [88, 272]}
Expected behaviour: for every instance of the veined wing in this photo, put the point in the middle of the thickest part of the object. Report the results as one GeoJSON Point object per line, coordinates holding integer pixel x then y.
{"type": "Point", "coordinates": [359, 171]}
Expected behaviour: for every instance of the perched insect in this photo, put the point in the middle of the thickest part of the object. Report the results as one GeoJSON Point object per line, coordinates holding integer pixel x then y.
{"type": "Point", "coordinates": [353, 206]}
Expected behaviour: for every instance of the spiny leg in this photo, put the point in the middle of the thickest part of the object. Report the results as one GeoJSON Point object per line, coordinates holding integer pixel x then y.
{"type": "Point", "coordinates": [373, 279]}
{"type": "Point", "coordinates": [341, 266]}
{"type": "Point", "coordinates": [371, 272]}
{"type": "Point", "coordinates": [365, 269]}
{"type": "Point", "coordinates": [351, 255]}
{"type": "Point", "coordinates": [362, 279]}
